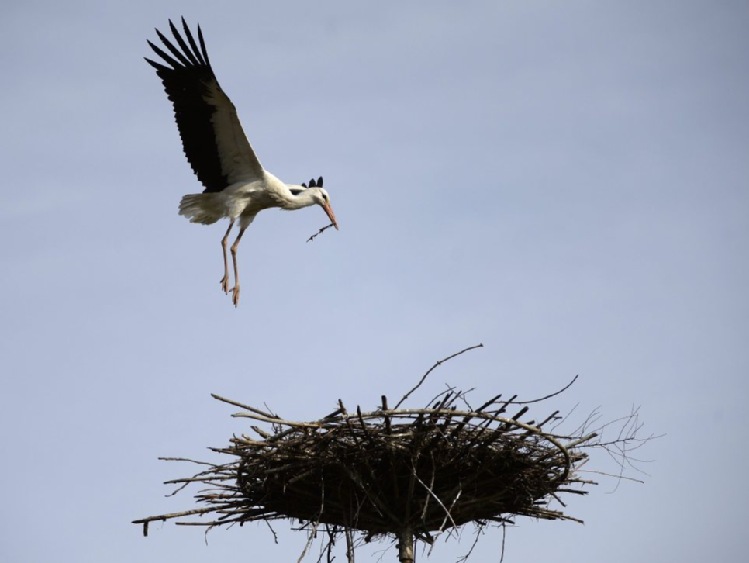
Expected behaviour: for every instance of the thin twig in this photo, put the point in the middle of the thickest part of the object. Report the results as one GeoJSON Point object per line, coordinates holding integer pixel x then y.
{"type": "Point", "coordinates": [431, 493]}
{"type": "Point", "coordinates": [473, 545]}
{"type": "Point", "coordinates": [310, 539]}
{"type": "Point", "coordinates": [431, 369]}
{"type": "Point", "coordinates": [319, 232]}
{"type": "Point", "coordinates": [504, 532]}
{"type": "Point", "coordinates": [550, 395]}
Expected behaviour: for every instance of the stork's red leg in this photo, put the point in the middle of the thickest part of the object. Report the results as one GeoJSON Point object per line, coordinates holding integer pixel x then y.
{"type": "Point", "coordinates": [225, 279]}
{"type": "Point", "coordinates": [235, 291]}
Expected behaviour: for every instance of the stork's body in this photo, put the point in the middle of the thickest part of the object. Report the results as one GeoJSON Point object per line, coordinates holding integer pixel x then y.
{"type": "Point", "coordinates": [237, 187]}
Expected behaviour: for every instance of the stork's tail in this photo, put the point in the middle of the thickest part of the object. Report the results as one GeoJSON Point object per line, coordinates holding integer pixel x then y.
{"type": "Point", "coordinates": [202, 208]}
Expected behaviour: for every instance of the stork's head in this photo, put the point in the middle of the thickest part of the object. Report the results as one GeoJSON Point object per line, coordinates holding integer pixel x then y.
{"type": "Point", "coordinates": [321, 198]}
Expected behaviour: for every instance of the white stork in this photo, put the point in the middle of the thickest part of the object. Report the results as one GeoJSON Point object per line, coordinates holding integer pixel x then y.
{"type": "Point", "coordinates": [236, 184]}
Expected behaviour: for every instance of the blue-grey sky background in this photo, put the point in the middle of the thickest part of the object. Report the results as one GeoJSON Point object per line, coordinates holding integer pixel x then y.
{"type": "Point", "coordinates": [566, 182]}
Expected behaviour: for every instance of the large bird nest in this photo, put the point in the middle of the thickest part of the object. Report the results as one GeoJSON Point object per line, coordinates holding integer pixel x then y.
{"type": "Point", "coordinates": [401, 472]}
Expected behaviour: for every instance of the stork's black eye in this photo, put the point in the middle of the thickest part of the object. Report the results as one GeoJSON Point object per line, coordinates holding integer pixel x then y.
{"type": "Point", "coordinates": [325, 197]}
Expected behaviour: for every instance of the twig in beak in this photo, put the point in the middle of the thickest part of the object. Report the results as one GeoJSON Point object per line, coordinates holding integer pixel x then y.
{"type": "Point", "coordinates": [320, 231]}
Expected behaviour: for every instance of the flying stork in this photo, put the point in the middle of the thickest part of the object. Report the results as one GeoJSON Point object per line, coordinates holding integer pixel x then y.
{"type": "Point", "coordinates": [236, 184]}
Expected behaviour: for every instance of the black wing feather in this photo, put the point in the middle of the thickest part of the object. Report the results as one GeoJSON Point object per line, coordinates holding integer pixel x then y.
{"type": "Point", "coordinates": [173, 63]}
{"type": "Point", "coordinates": [185, 55]}
{"type": "Point", "coordinates": [173, 50]}
{"type": "Point", "coordinates": [201, 56]}
{"type": "Point", "coordinates": [202, 43]}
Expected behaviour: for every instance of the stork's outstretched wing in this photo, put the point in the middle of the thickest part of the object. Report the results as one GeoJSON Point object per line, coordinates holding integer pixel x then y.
{"type": "Point", "coordinates": [212, 137]}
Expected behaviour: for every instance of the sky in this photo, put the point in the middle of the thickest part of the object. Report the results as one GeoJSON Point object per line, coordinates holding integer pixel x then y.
{"type": "Point", "coordinates": [567, 183]}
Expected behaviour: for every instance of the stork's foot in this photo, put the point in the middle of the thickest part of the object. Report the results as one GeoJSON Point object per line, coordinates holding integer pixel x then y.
{"type": "Point", "coordinates": [235, 295]}
{"type": "Point", "coordinates": [225, 283]}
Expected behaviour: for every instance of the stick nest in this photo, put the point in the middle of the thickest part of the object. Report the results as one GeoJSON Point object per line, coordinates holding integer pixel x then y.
{"type": "Point", "coordinates": [391, 470]}
{"type": "Point", "coordinates": [387, 470]}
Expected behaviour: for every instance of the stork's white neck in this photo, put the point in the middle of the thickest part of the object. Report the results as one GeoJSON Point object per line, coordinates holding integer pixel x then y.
{"type": "Point", "coordinates": [297, 197]}
{"type": "Point", "coordinates": [290, 196]}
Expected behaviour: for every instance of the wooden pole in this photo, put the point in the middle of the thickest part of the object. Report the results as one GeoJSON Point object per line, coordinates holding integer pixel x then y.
{"type": "Point", "coordinates": [406, 546]}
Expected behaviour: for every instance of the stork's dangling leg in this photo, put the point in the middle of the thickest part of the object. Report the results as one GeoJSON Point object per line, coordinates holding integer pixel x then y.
{"type": "Point", "coordinates": [235, 291]}
{"type": "Point", "coordinates": [225, 279]}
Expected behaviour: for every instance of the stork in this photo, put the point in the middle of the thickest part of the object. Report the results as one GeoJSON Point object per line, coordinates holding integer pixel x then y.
{"type": "Point", "coordinates": [236, 185]}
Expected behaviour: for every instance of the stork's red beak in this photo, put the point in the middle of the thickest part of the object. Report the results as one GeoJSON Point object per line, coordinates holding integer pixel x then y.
{"type": "Point", "coordinates": [331, 215]}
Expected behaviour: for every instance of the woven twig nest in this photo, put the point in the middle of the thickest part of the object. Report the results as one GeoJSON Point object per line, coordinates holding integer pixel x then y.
{"type": "Point", "coordinates": [409, 473]}
{"type": "Point", "coordinates": [383, 471]}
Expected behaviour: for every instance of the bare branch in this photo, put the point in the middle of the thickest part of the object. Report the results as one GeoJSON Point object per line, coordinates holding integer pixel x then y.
{"type": "Point", "coordinates": [431, 369]}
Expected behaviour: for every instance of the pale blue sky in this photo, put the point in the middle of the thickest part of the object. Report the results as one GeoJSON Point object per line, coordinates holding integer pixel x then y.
{"type": "Point", "coordinates": [567, 183]}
